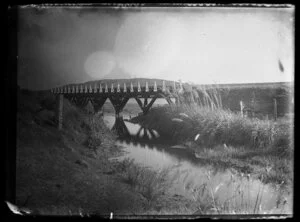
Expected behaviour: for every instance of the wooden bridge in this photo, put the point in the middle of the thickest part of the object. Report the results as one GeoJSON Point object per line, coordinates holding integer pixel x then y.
{"type": "Point", "coordinates": [118, 91]}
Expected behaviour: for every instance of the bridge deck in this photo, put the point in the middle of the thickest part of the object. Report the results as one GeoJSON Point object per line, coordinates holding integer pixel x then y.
{"type": "Point", "coordinates": [130, 87]}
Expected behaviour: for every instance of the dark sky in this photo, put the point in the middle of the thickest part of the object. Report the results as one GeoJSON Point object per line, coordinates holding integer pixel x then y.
{"type": "Point", "coordinates": [53, 43]}
{"type": "Point", "coordinates": [58, 46]}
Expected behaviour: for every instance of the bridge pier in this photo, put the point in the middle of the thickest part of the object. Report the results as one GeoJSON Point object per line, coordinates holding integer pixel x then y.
{"type": "Point", "coordinates": [120, 127]}
{"type": "Point", "coordinates": [145, 107]}
{"type": "Point", "coordinates": [118, 103]}
{"type": "Point", "coordinates": [169, 100]}
{"type": "Point", "coordinates": [60, 104]}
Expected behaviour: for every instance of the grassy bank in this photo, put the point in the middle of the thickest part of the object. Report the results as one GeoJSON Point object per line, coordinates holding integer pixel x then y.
{"type": "Point", "coordinates": [219, 136]}
{"type": "Point", "coordinates": [68, 172]}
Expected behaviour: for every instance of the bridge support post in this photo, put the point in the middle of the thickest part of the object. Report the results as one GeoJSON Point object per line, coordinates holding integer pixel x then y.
{"type": "Point", "coordinates": [120, 127]}
{"type": "Point", "coordinates": [145, 107]}
{"type": "Point", "coordinates": [275, 109]}
{"type": "Point", "coordinates": [60, 104]}
{"type": "Point", "coordinates": [118, 103]}
{"type": "Point", "coordinates": [169, 100]}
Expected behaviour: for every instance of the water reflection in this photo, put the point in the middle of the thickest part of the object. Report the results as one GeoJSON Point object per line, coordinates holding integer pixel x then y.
{"type": "Point", "coordinates": [147, 148]}
{"type": "Point", "coordinates": [134, 136]}
{"type": "Point", "coordinates": [141, 135]}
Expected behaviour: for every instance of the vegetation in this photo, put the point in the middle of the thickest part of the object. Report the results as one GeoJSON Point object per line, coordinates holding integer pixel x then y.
{"type": "Point", "coordinates": [68, 172]}
{"type": "Point", "coordinates": [220, 136]}
{"type": "Point", "coordinates": [151, 184]}
{"type": "Point", "coordinates": [236, 201]}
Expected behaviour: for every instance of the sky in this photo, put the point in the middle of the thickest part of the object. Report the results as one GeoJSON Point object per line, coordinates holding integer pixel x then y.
{"type": "Point", "coordinates": [201, 45]}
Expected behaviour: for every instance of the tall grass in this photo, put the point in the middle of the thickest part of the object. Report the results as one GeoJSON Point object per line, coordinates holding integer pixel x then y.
{"type": "Point", "coordinates": [215, 125]}
{"type": "Point", "coordinates": [92, 125]}
{"type": "Point", "coordinates": [221, 126]}
{"type": "Point", "coordinates": [238, 201]}
{"type": "Point", "coordinates": [149, 183]}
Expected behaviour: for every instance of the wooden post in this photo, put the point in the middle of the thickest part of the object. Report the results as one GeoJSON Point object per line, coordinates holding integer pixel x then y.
{"type": "Point", "coordinates": [242, 107]}
{"type": "Point", "coordinates": [169, 100]}
{"type": "Point", "coordinates": [275, 109]}
{"type": "Point", "coordinates": [119, 103]}
{"type": "Point", "coordinates": [146, 106]}
{"type": "Point", "coordinates": [145, 101]}
{"type": "Point", "coordinates": [60, 104]}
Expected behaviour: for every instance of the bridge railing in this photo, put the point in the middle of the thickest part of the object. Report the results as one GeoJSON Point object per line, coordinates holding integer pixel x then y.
{"type": "Point", "coordinates": [116, 88]}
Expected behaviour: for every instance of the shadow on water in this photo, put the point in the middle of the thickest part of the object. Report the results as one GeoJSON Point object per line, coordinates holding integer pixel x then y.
{"type": "Point", "coordinates": [148, 148]}
{"type": "Point", "coordinates": [142, 135]}
{"type": "Point", "coordinates": [136, 135]}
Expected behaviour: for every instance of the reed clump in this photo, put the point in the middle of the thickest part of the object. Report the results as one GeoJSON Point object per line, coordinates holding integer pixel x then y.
{"type": "Point", "coordinates": [207, 123]}
{"type": "Point", "coordinates": [211, 199]}
{"type": "Point", "coordinates": [149, 183]}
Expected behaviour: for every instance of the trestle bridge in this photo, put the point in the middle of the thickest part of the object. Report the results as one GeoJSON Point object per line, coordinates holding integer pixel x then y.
{"type": "Point", "coordinates": [118, 91]}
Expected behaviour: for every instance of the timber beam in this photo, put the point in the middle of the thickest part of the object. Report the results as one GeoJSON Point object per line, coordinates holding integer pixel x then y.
{"type": "Point", "coordinates": [120, 127]}
{"type": "Point", "coordinates": [98, 103]}
{"type": "Point", "coordinates": [118, 103]}
{"type": "Point", "coordinates": [145, 107]}
{"type": "Point", "coordinates": [80, 101]}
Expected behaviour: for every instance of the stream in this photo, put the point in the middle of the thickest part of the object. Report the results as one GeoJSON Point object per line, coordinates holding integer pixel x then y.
{"type": "Point", "coordinates": [196, 180]}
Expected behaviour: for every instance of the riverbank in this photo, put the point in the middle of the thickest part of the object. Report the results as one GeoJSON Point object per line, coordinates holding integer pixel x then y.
{"type": "Point", "coordinates": [68, 172]}
{"type": "Point", "coordinates": [263, 149]}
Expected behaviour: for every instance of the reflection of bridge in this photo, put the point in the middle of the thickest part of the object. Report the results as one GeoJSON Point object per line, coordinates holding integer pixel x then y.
{"type": "Point", "coordinates": [142, 139]}
{"type": "Point", "coordinates": [143, 135]}
{"type": "Point", "coordinates": [118, 92]}
{"type": "Point", "coordinates": [147, 138]}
